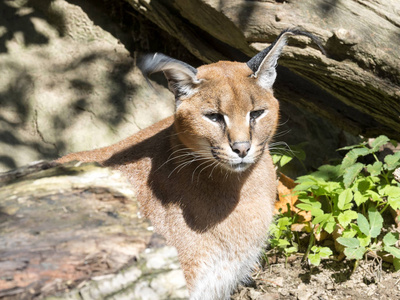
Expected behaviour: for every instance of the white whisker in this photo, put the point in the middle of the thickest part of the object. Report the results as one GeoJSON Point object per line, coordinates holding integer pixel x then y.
{"type": "Point", "coordinates": [217, 163]}
{"type": "Point", "coordinates": [207, 160]}
{"type": "Point", "coordinates": [178, 166]}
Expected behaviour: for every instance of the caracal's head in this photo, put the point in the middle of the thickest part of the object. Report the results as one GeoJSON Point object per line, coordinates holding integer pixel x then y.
{"type": "Point", "coordinates": [225, 112]}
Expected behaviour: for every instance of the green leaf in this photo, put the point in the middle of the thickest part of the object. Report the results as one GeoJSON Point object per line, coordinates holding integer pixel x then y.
{"type": "Point", "coordinates": [390, 238]}
{"type": "Point", "coordinates": [393, 194]}
{"type": "Point", "coordinates": [276, 158]}
{"type": "Point", "coordinates": [351, 173]}
{"type": "Point", "coordinates": [325, 252]}
{"type": "Point", "coordinates": [315, 249]}
{"type": "Point", "coordinates": [396, 263]}
{"type": "Point", "coordinates": [378, 142]}
{"type": "Point", "coordinates": [392, 161]}
{"type": "Point", "coordinates": [305, 178]}
{"type": "Point", "coordinates": [285, 159]}
{"type": "Point", "coordinates": [283, 222]}
{"type": "Point", "coordinates": [332, 187]}
{"type": "Point", "coordinates": [321, 218]}
{"type": "Point", "coordinates": [283, 243]}
{"type": "Point", "coordinates": [363, 184]}
{"type": "Point", "coordinates": [304, 206]}
{"type": "Point", "coordinates": [330, 226]}
{"type": "Point", "coordinates": [364, 240]}
{"type": "Point", "coordinates": [363, 224]}
{"type": "Point", "coordinates": [394, 202]}
{"type": "Point", "coordinates": [349, 233]}
{"type": "Point", "coordinates": [373, 195]}
{"type": "Point", "coordinates": [345, 218]}
{"type": "Point", "coordinates": [352, 146]}
{"type": "Point", "coordinates": [355, 253]}
{"type": "Point", "coordinates": [305, 185]}
{"type": "Point", "coordinates": [345, 197]}
{"type": "Point", "coordinates": [351, 157]}
{"type": "Point", "coordinates": [390, 190]}
{"type": "Point", "coordinates": [376, 221]}
{"type": "Point", "coordinates": [392, 250]}
{"type": "Point", "coordinates": [290, 250]}
{"type": "Point", "coordinates": [328, 172]}
{"type": "Point", "coordinates": [315, 211]}
{"type": "Point", "coordinates": [314, 259]}
{"type": "Point", "coordinates": [348, 242]}
{"type": "Point", "coordinates": [375, 169]}
{"type": "Point", "coordinates": [360, 198]}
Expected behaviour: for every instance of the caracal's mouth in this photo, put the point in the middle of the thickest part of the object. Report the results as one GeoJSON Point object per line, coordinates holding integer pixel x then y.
{"type": "Point", "coordinates": [235, 164]}
{"type": "Point", "coordinates": [240, 167]}
{"type": "Point", "coordinates": [238, 164]}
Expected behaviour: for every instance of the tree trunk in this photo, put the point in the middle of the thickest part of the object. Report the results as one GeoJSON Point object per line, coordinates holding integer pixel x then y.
{"type": "Point", "coordinates": [356, 86]}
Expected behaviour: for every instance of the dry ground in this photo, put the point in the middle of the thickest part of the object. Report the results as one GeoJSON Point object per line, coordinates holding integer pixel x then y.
{"type": "Point", "coordinates": [331, 280]}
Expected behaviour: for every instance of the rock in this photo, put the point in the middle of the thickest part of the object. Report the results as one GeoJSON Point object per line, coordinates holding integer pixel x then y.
{"type": "Point", "coordinates": [254, 294]}
{"type": "Point", "coordinates": [303, 292]}
{"type": "Point", "coordinates": [269, 296]}
{"type": "Point", "coordinates": [304, 295]}
{"type": "Point", "coordinates": [330, 286]}
{"type": "Point", "coordinates": [279, 281]}
{"type": "Point", "coordinates": [283, 292]}
{"type": "Point", "coordinates": [67, 84]}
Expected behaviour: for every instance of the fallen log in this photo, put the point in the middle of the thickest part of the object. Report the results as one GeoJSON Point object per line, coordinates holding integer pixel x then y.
{"type": "Point", "coordinates": [356, 87]}
{"type": "Point", "coordinates": [74, 231]}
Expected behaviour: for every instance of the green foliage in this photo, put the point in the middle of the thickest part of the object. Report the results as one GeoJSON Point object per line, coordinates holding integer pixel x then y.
{"type": "Point", "coordinates": [353, 196]}
{"type": "Point", "coordinates": [319, 252]}
{"type": "Point", "coordinates": [282, 237]}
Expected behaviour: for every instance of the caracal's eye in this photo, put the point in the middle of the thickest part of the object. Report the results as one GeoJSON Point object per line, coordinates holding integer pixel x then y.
{"type": "Point", "coordinates": [215, 117]}
{"type": "Point", "coordinates": [256, 114]}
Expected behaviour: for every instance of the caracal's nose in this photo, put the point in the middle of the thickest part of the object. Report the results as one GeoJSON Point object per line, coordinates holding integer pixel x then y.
{"type": "Point", "coordinates": [241, 148]}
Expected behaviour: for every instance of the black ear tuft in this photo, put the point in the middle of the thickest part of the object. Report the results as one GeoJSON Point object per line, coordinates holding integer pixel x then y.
{"type": "Point", "coordinates": [263, 64]}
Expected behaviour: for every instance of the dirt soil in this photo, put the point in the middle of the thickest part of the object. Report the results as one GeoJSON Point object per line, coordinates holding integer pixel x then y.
{"type": "Point", "coordinates": [331, 280]}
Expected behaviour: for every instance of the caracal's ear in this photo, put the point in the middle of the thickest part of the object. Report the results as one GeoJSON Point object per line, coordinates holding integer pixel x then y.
{"type": "Point", "coordinates": [181, 77]}
{"type": "Point", "coordinates": [264, 63]}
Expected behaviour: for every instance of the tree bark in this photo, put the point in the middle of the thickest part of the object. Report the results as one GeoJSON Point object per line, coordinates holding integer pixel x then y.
{"type": "Point", "coordinates": [73, 232]}
{"type": "Point", "coordinates": [356, 86]}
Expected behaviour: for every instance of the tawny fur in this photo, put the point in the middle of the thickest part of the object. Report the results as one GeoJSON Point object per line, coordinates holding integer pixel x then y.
{"type": "Point", "coordinates": [217, 218]}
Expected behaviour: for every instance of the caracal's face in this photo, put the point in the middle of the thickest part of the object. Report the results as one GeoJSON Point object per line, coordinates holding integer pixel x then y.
{"type": "Point", "coordinates": [228, 118]}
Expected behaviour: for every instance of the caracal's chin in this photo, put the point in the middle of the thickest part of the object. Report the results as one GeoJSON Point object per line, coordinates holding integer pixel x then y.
{"type": "Point", "coordinates": [237, 164]}
{"type": "Point", "coordinates": [240, 167]}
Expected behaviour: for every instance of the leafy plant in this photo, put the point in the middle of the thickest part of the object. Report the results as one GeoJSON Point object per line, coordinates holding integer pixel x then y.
{"type": "Point", "coordinates": [357, 246]}
{"type": "Point", "coordinates": [282, 238]}
{"type": "Point", "coordinates": [318, 253]}
{"type": "Point", "coordinates": [350, 198]}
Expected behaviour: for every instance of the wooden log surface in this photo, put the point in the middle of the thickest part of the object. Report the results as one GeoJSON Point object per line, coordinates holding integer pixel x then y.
{"type": "Point", "coordinates": [73, 232]}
